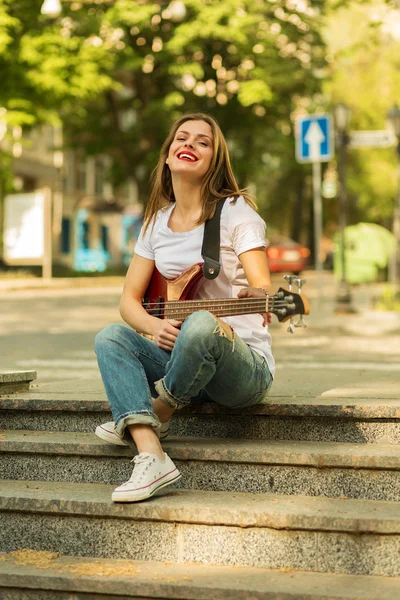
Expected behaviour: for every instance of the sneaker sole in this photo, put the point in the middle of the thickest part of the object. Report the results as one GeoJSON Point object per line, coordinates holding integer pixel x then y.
{"type": "Point", "coordinates": [164, 434]}
{"type": "Point", "coordinates": [134, 497]}
{"type": "Point", "coordinates": [106, 436]}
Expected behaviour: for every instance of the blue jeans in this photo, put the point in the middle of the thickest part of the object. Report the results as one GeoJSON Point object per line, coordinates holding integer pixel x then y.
{"type": "Point", "coordinates": [206, 363]}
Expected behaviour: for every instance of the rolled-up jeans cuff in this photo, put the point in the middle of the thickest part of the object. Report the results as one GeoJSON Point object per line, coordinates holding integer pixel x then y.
{"type": "Point", "coordinates": [135, 419]}
{"type": "Point", "coordinates": [166, 396]}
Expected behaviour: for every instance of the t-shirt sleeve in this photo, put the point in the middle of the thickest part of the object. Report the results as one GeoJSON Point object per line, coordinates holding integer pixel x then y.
{"type": "Point", "coordinates": [144, 246]}
{"type": "Point", "coordinates": [247, 228]}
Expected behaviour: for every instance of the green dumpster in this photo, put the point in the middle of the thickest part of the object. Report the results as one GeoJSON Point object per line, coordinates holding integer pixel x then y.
{"type": "Point", "coordinates": [368, 249]}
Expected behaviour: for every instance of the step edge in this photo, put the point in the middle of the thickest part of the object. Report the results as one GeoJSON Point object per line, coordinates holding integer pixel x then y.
{"type": "Point", "coordinates": [160, 509]}
{"type": "Point", "coordinates": [58, 580]}
{"type": "Point", "coordinates": [363, 409]}
{"type": "Point", "coordinates": [319, 458]}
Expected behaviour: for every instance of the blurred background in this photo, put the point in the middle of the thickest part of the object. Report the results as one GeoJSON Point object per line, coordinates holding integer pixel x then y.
{"type": "Point", "coordinates": [89, 90]}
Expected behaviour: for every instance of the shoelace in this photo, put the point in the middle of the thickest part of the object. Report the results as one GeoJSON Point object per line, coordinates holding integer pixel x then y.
{"type": "Point", "coordinates": [141, 458]}
{"type": "Point", "coordinates": [140, 461]}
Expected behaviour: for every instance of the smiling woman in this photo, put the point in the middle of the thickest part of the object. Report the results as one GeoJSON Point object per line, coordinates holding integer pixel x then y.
{"type": "Point", "coordinates": [200, 357]}
{"type": "Point", "coordinates": [191, 153]}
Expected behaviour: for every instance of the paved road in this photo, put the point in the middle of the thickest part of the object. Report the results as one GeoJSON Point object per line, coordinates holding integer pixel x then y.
{"type": "Point", "coordinates": [52, 331]}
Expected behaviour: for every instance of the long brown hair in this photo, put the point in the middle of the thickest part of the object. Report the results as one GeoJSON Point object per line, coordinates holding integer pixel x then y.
{"type": "Point", "coordinates": [219, 181]}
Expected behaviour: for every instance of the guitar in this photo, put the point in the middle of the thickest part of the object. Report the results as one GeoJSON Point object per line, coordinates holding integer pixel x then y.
{"type": "Point", "coordinates": [174, 299]}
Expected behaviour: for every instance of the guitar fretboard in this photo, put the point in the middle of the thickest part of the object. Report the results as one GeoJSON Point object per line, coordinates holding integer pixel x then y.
{"type": "Point", "coordinates": [223, 307]}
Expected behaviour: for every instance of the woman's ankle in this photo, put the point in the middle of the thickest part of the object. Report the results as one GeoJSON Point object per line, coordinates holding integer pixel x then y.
{"type": "Point", "coordinates": [146, 440]}
{"type": "Point", "coordinates": [163, 412]}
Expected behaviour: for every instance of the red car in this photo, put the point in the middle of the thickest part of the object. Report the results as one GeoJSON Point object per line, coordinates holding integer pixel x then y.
{"type": "Point", "coordinates": [285, 255]}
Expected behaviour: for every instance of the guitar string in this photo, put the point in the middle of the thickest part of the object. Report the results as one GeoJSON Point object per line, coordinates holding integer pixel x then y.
{"type": "Point", "coordinates": [216, 309]}
{"type": "Point", "coordinates": [172, 309]}
{"type": "Point", "coordinates": [215, 302]}
{"type": "Point", "coordinates": [241, 309]}
{"type": "Point", "coordinates": [225, 300]}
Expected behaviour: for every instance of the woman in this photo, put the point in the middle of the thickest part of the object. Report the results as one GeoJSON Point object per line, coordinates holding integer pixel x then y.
{"type": "Point", "coordinates": [228, 360]}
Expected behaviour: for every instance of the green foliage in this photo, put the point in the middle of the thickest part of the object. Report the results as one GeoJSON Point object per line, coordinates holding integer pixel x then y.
{"type": "Point", "coordinates": [365, 58]}
{"type": "Point", "coordinates": [119, 73]}
{"type": "Point", "coordinates": [388, 301]}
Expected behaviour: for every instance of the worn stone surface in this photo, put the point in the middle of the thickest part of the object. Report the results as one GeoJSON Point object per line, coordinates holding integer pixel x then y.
{"type": "Point", "coordinates": [228, 426]}
{"type": "Point", "coordinates": [209, 508]}
{"type": "Point", "coordinates": [256, 547]}
{"type": "Point", "coordinates": [102, 578]}
{"type": "Point", "coordinates": [343, 553]}
{"type": "Point", "coordinates": [355, 431]}
{"type": "Point", "coordinates": [21, 594]}
{"type": "Point", "coordinates": [85, 536]}
{"type": "Point", "coordinates": [15, 376]}
{"type": "Point", "coordinates": [345, 470]}
{"type": "Point", "coordinates": [340, 483]}
{"type": "Point", "coordinates": [189, 542]}
{"type": "Point", "coordinates": [393, 433]}
{"type": "Point", "coordinates": [15, 381]}
{"type": "Point", "coordinates": [332, 482]}
{"type": "Point", "coordinates": [53, 420]}
{"type": "Point", "coordinates": [79, 469]}
{"type": "Point", "coordinates": [89, 396]}
{"type": "Point", "coordinates": [317, 454]}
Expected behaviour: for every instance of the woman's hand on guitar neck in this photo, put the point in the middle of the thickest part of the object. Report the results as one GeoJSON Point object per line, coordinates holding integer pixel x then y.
{"type": "Point", "coordinates": [253, 292]}
{"type": "Point", "coordinates": [166, 333]}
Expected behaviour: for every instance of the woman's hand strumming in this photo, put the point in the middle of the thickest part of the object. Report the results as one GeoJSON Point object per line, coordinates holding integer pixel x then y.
{"type": "Point", "coordinates": [165, 336]}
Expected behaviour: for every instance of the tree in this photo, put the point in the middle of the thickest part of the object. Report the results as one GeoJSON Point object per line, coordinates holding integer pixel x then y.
{"type": "Point", "coordinates": [118, 73]}
{"type": "Point", "coordinates": [364, 51]}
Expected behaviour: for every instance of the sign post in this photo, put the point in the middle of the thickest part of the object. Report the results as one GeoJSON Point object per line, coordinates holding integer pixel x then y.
{"type": "Point", "coordinates": [314, 144]}
{"type": "Point", "coordinates": [27, 230]}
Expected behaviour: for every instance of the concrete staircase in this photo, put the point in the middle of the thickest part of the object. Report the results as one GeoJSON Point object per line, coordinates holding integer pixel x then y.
{"type": "Point", "coordinates": [294, 499]}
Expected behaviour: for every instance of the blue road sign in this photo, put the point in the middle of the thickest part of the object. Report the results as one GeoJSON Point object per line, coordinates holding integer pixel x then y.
{"type": "Point", "coordinates": [314, 139]}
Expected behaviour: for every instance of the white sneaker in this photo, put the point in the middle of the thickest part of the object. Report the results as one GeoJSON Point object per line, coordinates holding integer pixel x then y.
{"type": "Point", "coordinates": [149, 475]}
{"type": "Point", "coordinates": [107, 433]}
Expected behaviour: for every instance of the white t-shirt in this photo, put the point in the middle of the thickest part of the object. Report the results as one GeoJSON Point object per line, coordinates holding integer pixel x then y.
{"type": "Point", "coordinates": [242, 229]}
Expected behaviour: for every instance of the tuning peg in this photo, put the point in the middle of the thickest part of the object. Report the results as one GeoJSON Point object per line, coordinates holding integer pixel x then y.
{"type": "Point", "coordinates": [290, 329]}
{"type": "Point", "coordinates": [301, 323]}
{"type": "Point", "coordinates": [299, 282]}
{"type": "Point", "coordinates": [290, 279]}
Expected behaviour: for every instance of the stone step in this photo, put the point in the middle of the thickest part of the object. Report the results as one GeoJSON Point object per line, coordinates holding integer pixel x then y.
{"type": "Point", "coordinates": [16, 381]}
{"type": "Point", "coordinates": [369, 471]}
{"type": "Point", "coordinates": [190, 526]}
{"type": "Point", "coordinates": [322, 418]}
{"type": "Point", "coordinates": [33, 575]}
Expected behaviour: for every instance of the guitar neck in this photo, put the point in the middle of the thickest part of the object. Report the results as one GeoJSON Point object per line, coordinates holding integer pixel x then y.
{"type": "Point", "coordinates": [222, 307]}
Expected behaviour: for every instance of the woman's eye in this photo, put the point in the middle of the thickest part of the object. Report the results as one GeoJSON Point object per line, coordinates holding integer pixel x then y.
{"type": "Point", "coordinates": [203, 144]}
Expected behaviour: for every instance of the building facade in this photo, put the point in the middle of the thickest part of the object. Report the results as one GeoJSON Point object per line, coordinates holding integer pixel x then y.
{"type": "Point", "coordinates": [94, 226]}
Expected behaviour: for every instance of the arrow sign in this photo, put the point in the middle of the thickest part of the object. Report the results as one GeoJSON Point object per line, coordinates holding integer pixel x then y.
{"type": "Point", "coordinates": [314, 139]}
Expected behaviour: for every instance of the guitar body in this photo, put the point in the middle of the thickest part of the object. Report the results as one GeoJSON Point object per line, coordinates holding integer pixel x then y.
{"type": "Point", "coordinates": [161, 290]}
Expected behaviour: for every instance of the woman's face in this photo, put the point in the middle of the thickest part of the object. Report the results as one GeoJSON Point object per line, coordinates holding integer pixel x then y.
{"type": "Point", "coordinates": [191, 151]}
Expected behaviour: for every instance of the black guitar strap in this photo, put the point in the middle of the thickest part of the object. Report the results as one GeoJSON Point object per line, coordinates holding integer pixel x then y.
{"type": "Point", "coordinates": [211, 244]}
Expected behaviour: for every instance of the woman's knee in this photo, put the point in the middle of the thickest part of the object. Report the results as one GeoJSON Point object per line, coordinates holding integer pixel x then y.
{"type": "Point", "coordinates": [107, 337]}
{"type": "Point", "coordinates": [199, 325]}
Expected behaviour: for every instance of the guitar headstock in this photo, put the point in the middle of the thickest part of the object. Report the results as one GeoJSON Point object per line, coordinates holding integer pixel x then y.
{"type": "Point", "coordinates": [285, 304]}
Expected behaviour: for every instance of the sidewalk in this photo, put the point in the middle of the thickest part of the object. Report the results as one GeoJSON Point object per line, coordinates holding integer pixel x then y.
{"type": "Point", "coordinates": [320, 291]}
{"type": "Point", "coordinates": [40, 283]}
